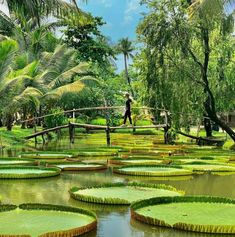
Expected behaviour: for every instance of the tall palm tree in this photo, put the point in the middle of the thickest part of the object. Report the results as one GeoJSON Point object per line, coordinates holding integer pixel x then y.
{"type": "Point", "coordinates": [38, 8]}
{"type": "Point", "coordinates": [125, 47]}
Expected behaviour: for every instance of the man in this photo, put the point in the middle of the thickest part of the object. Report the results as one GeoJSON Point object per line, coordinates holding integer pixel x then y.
{"type": "Point", "coordinates": [128, 108]}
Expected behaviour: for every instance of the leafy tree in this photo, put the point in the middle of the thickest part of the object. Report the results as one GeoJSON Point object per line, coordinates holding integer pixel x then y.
{"type": "Point", "coordinates": [182, 55]}
{"type": "Point", "coordinates": [87, 39]}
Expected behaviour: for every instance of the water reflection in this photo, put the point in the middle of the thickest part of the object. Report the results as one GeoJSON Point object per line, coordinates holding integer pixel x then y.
{"type": "Point", "coordinates": [113, 221]}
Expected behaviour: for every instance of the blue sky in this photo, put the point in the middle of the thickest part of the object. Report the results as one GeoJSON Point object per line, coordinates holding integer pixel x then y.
{"type": "Point", "coordinates": [121, 17]}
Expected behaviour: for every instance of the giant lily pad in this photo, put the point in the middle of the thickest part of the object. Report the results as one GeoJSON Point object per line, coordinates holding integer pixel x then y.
{"type": "Point", "coordinates": [79, 166]}
{"type": "Point", "coordinates": [152, 170]}
{"type": "Point", "coordinates": [200, 214]}
{"type": "Point", "coordinates": [47, 155]}
{"type": "Point", "coordinates": [16, 161]}
{"type": "Point", "coordinates": [45, 220]}
{"type": "Point", "coordinates": [134, 161]}
{"type": "Point", "coordinates": [119, 193]}
{"type": "Point", "coordinates": [187, 160]}
{"type": "Point", "coordinates": [95, 153]}
{"type": "Point", "coordinates": [27, 172]}
{"type": "Point", "coordinates": [209, 167]}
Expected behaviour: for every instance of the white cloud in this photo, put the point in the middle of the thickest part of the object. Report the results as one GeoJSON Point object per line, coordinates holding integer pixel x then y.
{"type": "Point", "coordinates": [132, 7]}
{"type": "Point", "coordinates": [107, 3]}
{"type": "Point", "coordinates": [4, 7]}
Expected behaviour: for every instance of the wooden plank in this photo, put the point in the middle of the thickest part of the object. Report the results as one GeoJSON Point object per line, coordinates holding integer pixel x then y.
{"type": "Point", "coordinates": [46, 131]}
{"type": "Point", "coordinates": [140, 127]}
{"type": "Point", "coordinates": [200, 138]}
{"type": "Point", "coordinates": [118, 127]}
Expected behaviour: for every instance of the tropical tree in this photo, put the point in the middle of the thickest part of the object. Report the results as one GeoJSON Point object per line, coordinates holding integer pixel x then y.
{"type": "Point", "coordinates": [185, 53]}
{"type": "Point", "coordinates": [84, 35]}
{"type": "Point", "coordinates": [35, 9]}
{"type": "Point", "coordinates": [125, 47]}
{"type": "Point", "coordinates": [25, 86]}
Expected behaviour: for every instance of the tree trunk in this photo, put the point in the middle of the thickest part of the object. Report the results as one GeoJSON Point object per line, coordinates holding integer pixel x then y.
{"type": "Point", "coordinates": [1, 123]}
{"type": "Point", "coordinates": [23, 126]}
{"type": "Point", "coordinates": [209, 104]}
{"type": "Point", "coordinates": [222, 124]}
{"type": "Point", "coordinates": [207, 126]}
{"type": "Point", "coordinates": [127, 75]}
{"type": "Point", "coordinates": [9, 122]}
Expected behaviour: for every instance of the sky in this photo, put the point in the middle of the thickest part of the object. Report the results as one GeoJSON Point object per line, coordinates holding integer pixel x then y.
{"type": "Point", "coordinates": [121, 17]}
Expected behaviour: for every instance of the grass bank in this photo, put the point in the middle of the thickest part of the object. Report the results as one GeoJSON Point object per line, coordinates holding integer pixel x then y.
{"type": "Point", "coordinates": [15, 137]}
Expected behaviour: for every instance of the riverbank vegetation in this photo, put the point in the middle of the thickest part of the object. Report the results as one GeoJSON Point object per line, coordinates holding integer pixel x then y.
{"type": "Point", "coordinates": [54, 58]}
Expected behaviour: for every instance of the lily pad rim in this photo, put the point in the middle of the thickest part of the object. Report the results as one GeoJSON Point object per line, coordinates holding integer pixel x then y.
{"type": "Point", "coordinates": [56, 170]}
{"type": "Point", "coordinates": [50, 207]}
{"type": "Point", "coordinates": [178, 199]}
{"type": "Point", "coordinates": [116, 201]}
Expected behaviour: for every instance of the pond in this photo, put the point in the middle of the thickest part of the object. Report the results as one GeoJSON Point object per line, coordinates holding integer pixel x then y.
{"type": "Point", "coordinates": [112, 220]}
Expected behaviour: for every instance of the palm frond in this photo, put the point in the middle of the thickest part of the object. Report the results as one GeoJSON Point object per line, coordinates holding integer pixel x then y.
{"type": "Point", "coordinates": [66, 76]}
{"type": "Point", "coordinates": [19, 81]}
{"type": "Point", "coordinates": [8, 49]}
{"type": "Point", "coordinates": [29, 95]}
{"type": "Point", "coordinates": [90, 81]}
{"type": "Point", "coordinates": [74, 87]}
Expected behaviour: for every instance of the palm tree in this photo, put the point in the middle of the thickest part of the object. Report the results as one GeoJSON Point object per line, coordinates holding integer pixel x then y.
{"type": "Point", "coordinates": [126, 48]}
{"type": "Point", "coordinates": [25, 86]}
{"type": "Point", "coordinates": [38, 9]}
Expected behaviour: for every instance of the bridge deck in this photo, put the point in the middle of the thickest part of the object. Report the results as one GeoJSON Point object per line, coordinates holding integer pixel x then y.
{"type": "Point", "coordinates": [93, 127]}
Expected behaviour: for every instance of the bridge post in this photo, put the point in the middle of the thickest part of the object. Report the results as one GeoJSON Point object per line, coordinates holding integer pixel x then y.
{"type": "Point", "coordinates": [35, 129]}
{"type": "Point", "coordinates": [71, 132]}
{"type": "Point", "coordinates": [108, 139]}
{"type": "Point", "coordinates": [166, 135]}
{"type": "Point", "coordinates": [43, 139]}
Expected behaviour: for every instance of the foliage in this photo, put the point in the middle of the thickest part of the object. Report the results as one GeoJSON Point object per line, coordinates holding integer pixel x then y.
{"type": "Point", "coordinates": [57, 119]}
{"type": "Point", "coordinates": [87, 39]}
{"type": "Point", "coordinates": [186, 63]}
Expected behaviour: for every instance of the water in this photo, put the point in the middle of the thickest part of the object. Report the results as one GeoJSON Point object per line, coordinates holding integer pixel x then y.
{"type": "Point", "coordinates": [113, 221]}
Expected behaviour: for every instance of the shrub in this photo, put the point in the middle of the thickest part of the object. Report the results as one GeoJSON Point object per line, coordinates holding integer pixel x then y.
{"type": "Point", "coordinates": [57, 119]}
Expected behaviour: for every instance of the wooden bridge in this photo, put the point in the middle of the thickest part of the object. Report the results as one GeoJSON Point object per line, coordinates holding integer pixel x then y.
{"type": "Point", "coordinates": [108, 129]}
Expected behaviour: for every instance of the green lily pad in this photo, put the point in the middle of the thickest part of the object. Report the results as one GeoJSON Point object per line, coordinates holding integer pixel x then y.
{"type": "Point", "coordinates": [46, 155]}
{"type": "Point", "coordinates": [45, 220]}
{"type": "Point", "coordinates": [95, 153]}
{"type": "Point", "coordinates": [129, 161]}
{"type": "Point", "coordinates": [207, 167]}
{"type": "Point", "coordinates": [191, 213]}
{"type": "Point", "coordinates": [79, 166]}
{"type": "Point", "coordinates": [153, 170]}
{"type": "Point", "coordinates": [16, 161]}
{"type": "Point", "coordinates": [119, 193]}
{"type": "Point", "coordinates": [27, 172]}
